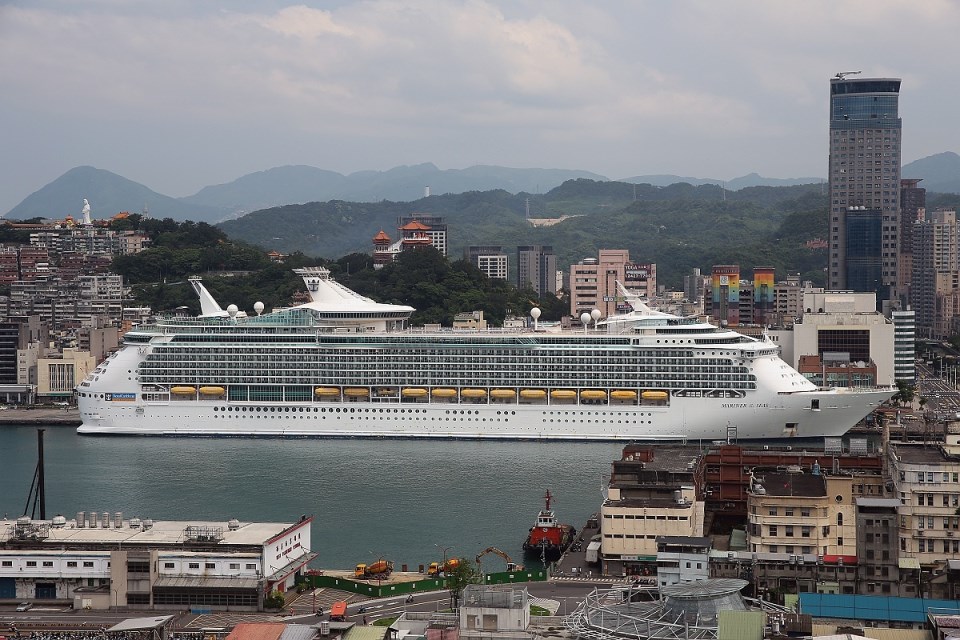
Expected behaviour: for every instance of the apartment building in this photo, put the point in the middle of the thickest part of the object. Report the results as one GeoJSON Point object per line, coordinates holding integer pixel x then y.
{"type": "Point", "coordinates": [651, 494]}
{"type": "Point", "coordinates": [593, 282]}
{"type": "Point", "coordinates": [802, 513]}
{"type": "Point", "coordinates": [926, 479]}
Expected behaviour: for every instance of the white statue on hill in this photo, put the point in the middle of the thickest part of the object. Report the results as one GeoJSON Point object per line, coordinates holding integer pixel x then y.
{"type": "Point", "coordinates": [86, 212]}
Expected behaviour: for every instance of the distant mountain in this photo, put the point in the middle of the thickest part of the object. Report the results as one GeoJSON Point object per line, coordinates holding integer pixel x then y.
{"type": "Point", "coordinates": [940, 172]}
{"type": "Point", "coordinates": [749, 180]}
{"type": "Point", "coordinates": [300, 184]}
{"type": "Point", "coordinates": [271, 188]}
{"type": "Point", "coordinates": [108, 194]}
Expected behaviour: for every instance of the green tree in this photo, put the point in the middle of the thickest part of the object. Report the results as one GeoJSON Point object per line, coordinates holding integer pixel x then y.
{"type": "Point", "coordinates": [905, 393]}
{"type": "Point", "coordinates": [274, 601]}
{"type": "Point", "coordinates": [459, 577]}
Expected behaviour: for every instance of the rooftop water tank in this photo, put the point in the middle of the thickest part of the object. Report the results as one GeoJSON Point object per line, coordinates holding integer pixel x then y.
{"type": "Point", "coordinates": [118, 519]}
{"type": "Point", "coordinates": [135, 523]}
{"type": "Point", "coordinates": [233, 524]}
{"type": "Point", "coordinates": [105, 520]}
{"type": "Point", "coordinates": [147, 523]}
{"type": "Point", "coordinates": [81, 519]}
{"type": "Point", "coordinates": [59, 521]}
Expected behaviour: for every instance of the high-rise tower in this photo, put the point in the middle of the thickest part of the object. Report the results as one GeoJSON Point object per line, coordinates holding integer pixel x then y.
{"type": "Point", "coordinates": [864, 183]}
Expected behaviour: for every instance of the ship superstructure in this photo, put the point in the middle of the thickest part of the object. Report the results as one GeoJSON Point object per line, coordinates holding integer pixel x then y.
{"type": "Point", "coordinates": [342, 365]}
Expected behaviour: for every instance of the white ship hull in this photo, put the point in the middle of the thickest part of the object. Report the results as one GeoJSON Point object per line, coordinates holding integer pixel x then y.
{"type": "Point", "coordinates": [757, 416]}
{"type": "Point", "coordinates": [339, 368]}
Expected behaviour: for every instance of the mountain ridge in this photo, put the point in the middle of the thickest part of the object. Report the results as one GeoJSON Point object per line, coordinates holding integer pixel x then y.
{"type": "Point", "coordinates": [110, 193]}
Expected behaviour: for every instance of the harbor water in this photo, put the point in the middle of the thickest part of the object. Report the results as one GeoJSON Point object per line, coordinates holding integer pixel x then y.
{"type": "Point", "coordinates": [405, 500]}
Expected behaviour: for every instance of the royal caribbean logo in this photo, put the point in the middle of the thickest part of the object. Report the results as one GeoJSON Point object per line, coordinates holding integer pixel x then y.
{"type": "Point", "coordinates": [120, 397]}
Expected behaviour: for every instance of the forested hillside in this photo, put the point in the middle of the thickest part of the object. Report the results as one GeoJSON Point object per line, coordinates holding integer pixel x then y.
{"type": "Point", "coordinates": [678, 227]}
{"type": "Point", "coordinates": [437, 287]}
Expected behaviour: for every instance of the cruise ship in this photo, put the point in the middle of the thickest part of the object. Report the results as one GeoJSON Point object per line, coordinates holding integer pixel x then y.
{"type": "Point", "coordinates": [343, 365]}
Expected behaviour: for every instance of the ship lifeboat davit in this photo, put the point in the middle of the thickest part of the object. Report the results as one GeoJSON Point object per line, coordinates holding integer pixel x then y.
{"type": "Point", "coordinates": [548, 539]}
{"type": "Point", "coordinates": [473, 393]}
{"type": "Point", "coordinates": [533, 394]}
{"type": "Point", "coordinates": [326, 392]}
{"type": "Point", "coordinates": [356, 392]}
{"type": "Point", "coordinates": [593, 394]}
{"type": "Point", "coordinates": [414, 393]}
{"type": "Point", "coordinates": [183, 391]}
{"type": "Point", "coordinates": [623, 394]}
{"type": "Point", "coordinates": [212, 391]}
{"type": "Point", "coordinates": [655, 395]}
{"type": "Point", "coordinates": [503, 394]}
{"type": "Point", "coordinates": [563, 394]}
{"type": "Point", "coordinates": [444, 393]}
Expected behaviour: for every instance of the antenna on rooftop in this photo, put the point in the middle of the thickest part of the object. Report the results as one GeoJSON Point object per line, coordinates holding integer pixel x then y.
{"type": "Point", "coordinates": [844, 74]}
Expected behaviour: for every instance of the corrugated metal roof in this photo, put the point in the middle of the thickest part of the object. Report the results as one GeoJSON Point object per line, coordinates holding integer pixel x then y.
{"type": "Point", "coordinates": [141, 624]}
{"type": "Point", "coordinates": [298, 632]}
{"type": "Point", "coordinates": [363, 632]}
{"type": "Point", "coordinates": [741, 625]}
{"type": "Point", "coordinates": [867, 608]}
{"type": "Point", "coordinates": [703, 588]}
{"type": "Point", "coordinates": [877, 633]}
{"type": "Point", "coordinates": [257, 631]}
{"type": "Point", "coordinates": [293, 564]}
{"type": "Point", "coordinates": [209, 583]}
{"type": "Point", "coordinates": [897, 634]}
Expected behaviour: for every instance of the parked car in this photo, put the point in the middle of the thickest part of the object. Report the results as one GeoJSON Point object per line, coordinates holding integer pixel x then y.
{"type": "Point", "coordinates": [24, 606]}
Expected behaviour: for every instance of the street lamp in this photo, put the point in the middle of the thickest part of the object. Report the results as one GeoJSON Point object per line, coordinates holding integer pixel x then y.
{"type": "Point", "coordinates": [443, 569]}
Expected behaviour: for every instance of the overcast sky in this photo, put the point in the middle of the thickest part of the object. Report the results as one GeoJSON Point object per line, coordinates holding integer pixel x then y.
{"type": "Point", "coordinates": [180, 94]}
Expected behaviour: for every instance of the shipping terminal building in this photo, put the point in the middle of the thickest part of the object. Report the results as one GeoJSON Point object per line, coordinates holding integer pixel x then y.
{"type": "Point", "coordinates": [99, 561]}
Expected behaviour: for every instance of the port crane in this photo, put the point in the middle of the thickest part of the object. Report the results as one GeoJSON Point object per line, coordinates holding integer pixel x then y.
{"type": "Point", "coordinates": [511, 565]}
{"type": "Point", "coordinates": [844, 74]}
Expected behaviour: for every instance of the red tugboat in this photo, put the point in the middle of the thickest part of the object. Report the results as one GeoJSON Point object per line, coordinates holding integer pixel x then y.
{"type": "Point", "coordinates": [548, 539]}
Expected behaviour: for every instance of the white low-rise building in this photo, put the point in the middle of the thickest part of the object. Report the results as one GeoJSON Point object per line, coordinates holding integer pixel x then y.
{"type": "Point", "coordinates": [105, 561]}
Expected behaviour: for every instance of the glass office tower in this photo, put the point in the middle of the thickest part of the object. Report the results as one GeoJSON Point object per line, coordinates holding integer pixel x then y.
{"type": "Point", "coordinates": [864, 172]}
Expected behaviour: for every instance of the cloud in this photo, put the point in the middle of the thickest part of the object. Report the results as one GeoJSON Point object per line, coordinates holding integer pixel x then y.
{"type": "Point", "coordinates": [620, 87]}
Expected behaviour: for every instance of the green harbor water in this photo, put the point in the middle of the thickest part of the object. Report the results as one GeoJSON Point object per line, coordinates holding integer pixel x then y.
{"type": "Point", "coordinates": [400, 499]}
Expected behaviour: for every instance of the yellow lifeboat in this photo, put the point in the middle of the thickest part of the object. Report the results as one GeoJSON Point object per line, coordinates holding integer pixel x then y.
{"type": "Point", "coordinates": [623, 394]}
{"type": "Point", "coordinates": [211, 391]}
{"type": "Point", "coordinates": [356, 392]}
{"type": "Point", "coordinates": [593, 394]}
{"type": "Point", "coordinates": [444, 393]}
{"type": "Point", "coordinates": [183, 391]}
{"type": "Point", "coordinates": [655, 395]}
{"type": "Point", "coordinates": [326, 392]}
{"type": "Point", "coordinates": [473, 393]}
{"type": "Point", "coordinates": [414, 393]}
{"type": "Point", "coordinates": [502, 394]}
{"type": "Point", "coordinates": [563, 394]}
{"type": "Point", "coordinates": [533, 394]}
